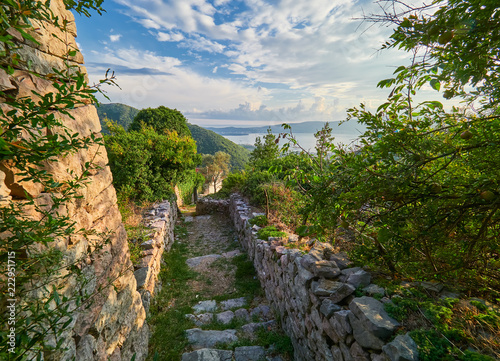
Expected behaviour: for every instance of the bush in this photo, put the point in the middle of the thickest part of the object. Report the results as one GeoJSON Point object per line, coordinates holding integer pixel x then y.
{"type": "Point", "coordinates": [269, 231]}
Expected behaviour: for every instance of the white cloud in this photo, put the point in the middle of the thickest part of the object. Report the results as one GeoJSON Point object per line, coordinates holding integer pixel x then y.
{"type": "Point", "coordinates": [304, 57]}
{"type": "Point", "coordinates": [199, 43]}
{"type": "Point", "coordinates": [175, 86]}
{"type": "Point", "coordinates": [161, 36]}
{"type": "Point", "coordinates": [115, 38]}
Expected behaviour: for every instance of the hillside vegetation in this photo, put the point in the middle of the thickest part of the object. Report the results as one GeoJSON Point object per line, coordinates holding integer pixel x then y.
{"type": "Point", "coordinates": [207, 141]}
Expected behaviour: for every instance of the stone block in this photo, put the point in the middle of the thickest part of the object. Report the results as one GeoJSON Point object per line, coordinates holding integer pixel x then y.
{"type": "Point", "coordinates": [374, 317]}
{"type": "Point", "coordinates": [200, 339]}
{"type": "Point", "coordinates": [402, 348]}
{"type": "Point", "coordinates": [207, 354]}
{"type": "Point", "coordinates": [359, 278]}
{"type": "Point", "coordinates": [328, 307]}
{"type": "Point", "coordinates": [249, 353]}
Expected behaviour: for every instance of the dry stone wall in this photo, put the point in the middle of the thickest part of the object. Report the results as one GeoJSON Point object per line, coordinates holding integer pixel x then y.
{"type": "Point", "coordinates": [114, 326]}
{"type": "Point", "coordinates": [160, 219]}
{"type": "Point", "coordinates": [314, 295]}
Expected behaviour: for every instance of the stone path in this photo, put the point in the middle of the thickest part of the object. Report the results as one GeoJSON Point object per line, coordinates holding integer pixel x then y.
{"type": "Point", "coordinates": [227, 325]}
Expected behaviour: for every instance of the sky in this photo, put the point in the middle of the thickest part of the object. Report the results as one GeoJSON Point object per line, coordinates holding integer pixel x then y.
{"type": "Point", "coordinates": [231, 62]}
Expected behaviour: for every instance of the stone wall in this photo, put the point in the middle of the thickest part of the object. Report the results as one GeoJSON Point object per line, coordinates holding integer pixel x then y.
{"type": "Point", "coordinates": [314, 295]}
{"type": "Point", "coordinates": [113, 327]}
{"type": "Point", "coordinates": [161, 221]}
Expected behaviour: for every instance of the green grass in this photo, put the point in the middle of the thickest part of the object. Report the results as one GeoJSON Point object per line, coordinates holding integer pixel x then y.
{"type": "Point", "coordinates": [170, 306]}
{"type": "Point", "coordinates": [247, 283]}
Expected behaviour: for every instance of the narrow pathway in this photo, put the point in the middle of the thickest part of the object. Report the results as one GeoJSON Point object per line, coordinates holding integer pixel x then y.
{"type": "Point", "coordinates": [225, 314]}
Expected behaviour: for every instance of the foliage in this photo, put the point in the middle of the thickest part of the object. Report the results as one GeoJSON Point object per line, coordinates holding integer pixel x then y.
{"type": "Point", "coordinates": [32, 137]}
{"type": "Point", "coordinates": [451, 328]}
{"type": "Point", "coordinates": [214, 167]}
{"type": "Point", "coordinates": [269, 231]}
{"type": "Point", "coordinates": [247, 283]}
{"type": "Point", "coordinates": [461, 39]}
{"type": "Point", "coordinates": [119, 113]}
{"type": "Point", "coordinates": [209, 142]}
{"type": "Point", "coordinates": [191, 181]}
{"type": "Point", "coordinates": [265, 152]}
{"type": "Point", "coordinates": [146, 165]}
{"type": "Point", "coordinates": [260, 221]}
{"type": "Point", "coordinates": [162, 120]}
{"type": "Point", "coordinates": [422, 192]}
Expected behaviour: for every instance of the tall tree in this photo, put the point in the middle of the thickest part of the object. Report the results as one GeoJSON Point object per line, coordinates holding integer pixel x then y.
{"type": "Point", "coordinates": [161, 119]}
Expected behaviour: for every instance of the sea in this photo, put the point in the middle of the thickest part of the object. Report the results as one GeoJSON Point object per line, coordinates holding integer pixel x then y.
{"type": "Point", "coordinates": [306, 140]}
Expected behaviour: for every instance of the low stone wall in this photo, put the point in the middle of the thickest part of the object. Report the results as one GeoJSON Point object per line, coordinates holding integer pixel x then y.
{"type": "Point", "coordinates": [208, 205]}
{"type": "Point", "coordinates": [314, 295]}
{"type": "Point", "coordinates": [161, 220]}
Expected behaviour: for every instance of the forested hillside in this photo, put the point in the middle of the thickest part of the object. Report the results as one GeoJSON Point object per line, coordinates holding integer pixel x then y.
{"type": "Point", "coordinates": [120, 113]}
{"type": "Point", "coordinates": [207, 141]}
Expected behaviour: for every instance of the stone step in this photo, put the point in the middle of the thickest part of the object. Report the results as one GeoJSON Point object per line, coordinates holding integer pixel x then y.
{"type": "Point", "coordinates": [244, 353]}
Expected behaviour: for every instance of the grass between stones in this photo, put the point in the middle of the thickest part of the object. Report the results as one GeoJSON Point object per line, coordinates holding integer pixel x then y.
{"type": "Point", "coordinates": [176, 299]}
{"type": "Point", "coordinates": [169, 307]}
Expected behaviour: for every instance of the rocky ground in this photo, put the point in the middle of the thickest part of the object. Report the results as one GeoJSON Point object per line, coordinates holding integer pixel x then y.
{"type": "Point", "coordinates": [228, 317]}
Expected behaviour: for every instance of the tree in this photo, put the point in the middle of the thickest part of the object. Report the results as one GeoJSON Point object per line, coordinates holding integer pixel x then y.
{"type": "Point", "coordinates": [146, 165]}
{"type": "Point", "coordinates": [459, 40]}
{"type": "Point", "coordinates": [422, 193]}
{"type": "Point", "coordinates": [161, 119]}
{"type": "Point", "coordinates": [265, 152]}
{"type": "Point", "coordinates": [214, 167]}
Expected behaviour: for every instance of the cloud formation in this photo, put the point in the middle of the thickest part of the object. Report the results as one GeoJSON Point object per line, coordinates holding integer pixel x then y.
{"type": "Point", "coordinates": [253, 59]}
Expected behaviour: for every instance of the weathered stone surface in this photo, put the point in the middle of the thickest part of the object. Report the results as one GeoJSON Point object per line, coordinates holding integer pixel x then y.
{"type": "Point", "coordinates": [262, 311]}
{"type": "Point", "coordinates": [225, 317]}
{"type": "Point", "coordinates": [242, 313]}
{"type": "Point", "coordinates": [233, 303]}
{"type": "Point", "coordinates": [364, 336]}
{"type": "Point", "coordinates": [342, 317]}
{"type": "Point", "coordinates": [201, 319]}
{"type": "Point", "coordinates": [373, 315]}
{"type": "Point", "coordinates": [205, 306]}
{"type": "Point", "coordinates": [341, 260]}
{"type": "Point", "coordinates": [359, 278]}
{"type": "Point", "coordinates": [402, 348]}
{"type": "Point", "coordinates": [206, 339]}
{"type": "Point", "coordinates": [207, 354]}
{"type": "Point", "coordinates": [141, 276]}
{"type": "Point", "coordinates": [358, 354]}
{"type": "Point", "coordinates": [328, 307]}
{"type": "Point", "coordinates": [251, 328]}
{"type": "Point", "coordinates": [373, 289]}
{"type": "Point", "coordinates": [337, 354]}
{"type": "Point", "coordinates": [326, 269]}
{"type": "Point", "coordinates": [196, 261]}
{"type": "Point", "coordinates": [249, 353]}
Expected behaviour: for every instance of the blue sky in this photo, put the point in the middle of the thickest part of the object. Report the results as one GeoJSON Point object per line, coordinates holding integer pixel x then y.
{"type": "Point", "coordinates": [224, 62]}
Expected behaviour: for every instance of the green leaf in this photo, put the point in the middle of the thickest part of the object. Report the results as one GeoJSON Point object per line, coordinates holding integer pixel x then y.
{"type": "Point", "coordinates": [435, 84]}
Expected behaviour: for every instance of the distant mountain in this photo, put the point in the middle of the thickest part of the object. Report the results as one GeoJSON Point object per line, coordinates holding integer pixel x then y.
{"type": "Point", "coordinates": [207, 141]}
{"type": "Point", "coordinates": [304, 127]}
